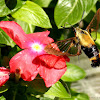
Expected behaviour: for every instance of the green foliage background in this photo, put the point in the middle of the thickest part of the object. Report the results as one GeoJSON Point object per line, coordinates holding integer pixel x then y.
{"type": "Point", "coordinates": [40, 15]}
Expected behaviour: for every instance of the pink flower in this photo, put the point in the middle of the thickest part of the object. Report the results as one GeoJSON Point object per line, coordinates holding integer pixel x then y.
{"type": "Point", "coordinates": [4, 75]}
{"type": "Point", "coordinates": [33, 59]}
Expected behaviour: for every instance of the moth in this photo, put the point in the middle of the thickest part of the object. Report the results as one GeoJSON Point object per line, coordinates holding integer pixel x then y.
{"type": "Point", "coordinates": [81, 41]}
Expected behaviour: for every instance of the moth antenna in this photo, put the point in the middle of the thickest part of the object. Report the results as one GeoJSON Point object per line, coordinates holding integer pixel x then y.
{"type": "Point", "coordinates": [82, 17]}
{"type": "Point", "coordinates": [69, 24]}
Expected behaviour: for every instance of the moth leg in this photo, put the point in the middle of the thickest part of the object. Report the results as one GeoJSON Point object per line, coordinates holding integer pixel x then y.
{"type": "Point", "coordinates": [79, 50]}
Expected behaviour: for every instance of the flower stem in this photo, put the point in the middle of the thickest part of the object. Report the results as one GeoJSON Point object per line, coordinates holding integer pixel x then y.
{"type": "Point", "coordinates": [17, 77]}
{"type": "Point", "coordinates": [14, 96]}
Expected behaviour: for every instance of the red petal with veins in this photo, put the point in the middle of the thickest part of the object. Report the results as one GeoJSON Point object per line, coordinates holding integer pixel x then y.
{"type": "Point", "coordinates": [22, 61]}
{"type": "Point", "coordinates": [51, 75]}
{"type": "Point", "coordinates": [51, 68]}
{"type": "Point", "coordinates": [52, 61]}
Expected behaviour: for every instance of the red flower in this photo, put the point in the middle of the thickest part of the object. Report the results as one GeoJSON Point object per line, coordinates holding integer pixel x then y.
{"type": "Point", "coordinates": [4, 75]}
{"type": "Point", "coordinates": [33, 59]}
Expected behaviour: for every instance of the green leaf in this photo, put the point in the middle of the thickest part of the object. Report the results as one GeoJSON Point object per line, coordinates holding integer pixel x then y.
{"type": "Point", "coordinates": [5, 39]}
{"type": "Point", "coordinates": [45, 98]}
{"type": "Point", "coordinates": [79, 96]}
{"type": "Point", "coordinates": [28, 28]}
{"type": "Point", "coordinates": [33, 14]}
{"type": "Point", "coordinates": [36, 85]}
{"type": "Point", "coordinates": [2, 98]}
{"type": "Point", "coordinates": [98, 40]}
{"type": "Point", "coordinates": [82, 96]}
{"type": "Point", "coordinates": [73, 73]}
{"type": "Point", "coordinates": [71, 11]}
{"type": "Point", "coordinates": [4, 88]}
{"type": "Point", "coordinates": [94, 9]}
{"type": "Point", "coordinates": [42, 3]}
{"type": "Point", "coordinates": [4, 10]}
{"type": "Point", "coordinates": [58, 90]}
{"type": "Point", "coordinates": [19, 5]}
{"type": "Point", "coordinates": [96, 36]}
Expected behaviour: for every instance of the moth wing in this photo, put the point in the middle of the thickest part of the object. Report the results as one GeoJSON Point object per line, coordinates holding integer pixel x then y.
{"type": "Point", "coordinates": [64, 47]}
{"type": "Point", "coordinates": [94, 24]}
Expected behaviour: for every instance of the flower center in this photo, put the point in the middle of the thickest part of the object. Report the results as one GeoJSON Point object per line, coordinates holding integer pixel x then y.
{"type": "Point", "coordinates": [37, 47]}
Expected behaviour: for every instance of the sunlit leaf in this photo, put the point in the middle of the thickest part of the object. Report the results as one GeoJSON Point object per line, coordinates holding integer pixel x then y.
{"type": "Point", "coordinates": [28, 28]}
{"type": "Point", "coordinates": [79, 96]}
{"type": "Point", "coordinates": [71, 11]}
{"type": "Point", "coordinates": [45, 98]}
{"type": "Point", "coordinates": [58, 90]}
{"type": "Point", "coordinates": [82, 96]}
{"type": "Point", "coordinates": [33, 14]}
{"type": "Point", "coordinates": [42, 3]}
{"type": "Point", "coordinates": [6, 8]}
{"type": "Point", "coordinates": [73, 73]}
{"type": "Point", "coordinates": [2, 98]}
{"type": "Point", "coordinates": [98, 40]}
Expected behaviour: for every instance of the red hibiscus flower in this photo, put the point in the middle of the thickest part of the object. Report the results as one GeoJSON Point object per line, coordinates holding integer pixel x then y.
{"type": "Point", "coordinates": [33, 59]}
{"type": "Point", "coordinates": [4, 75]}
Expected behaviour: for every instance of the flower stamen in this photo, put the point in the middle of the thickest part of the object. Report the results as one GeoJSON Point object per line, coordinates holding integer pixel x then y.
{"type": "Point", "coordinates": [37, 47]}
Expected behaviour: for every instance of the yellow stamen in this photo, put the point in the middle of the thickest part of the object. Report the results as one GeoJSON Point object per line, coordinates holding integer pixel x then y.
{"type": "Point", "coordinates": [36, 47]}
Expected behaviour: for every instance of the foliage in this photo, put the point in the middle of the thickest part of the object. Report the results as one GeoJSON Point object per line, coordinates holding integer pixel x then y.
{"type": "Point", "coordinates": [38, 16]}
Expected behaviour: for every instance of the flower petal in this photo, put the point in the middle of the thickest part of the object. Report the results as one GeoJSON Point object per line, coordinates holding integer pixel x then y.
{"type": "Point", "coordinates": [41, 36]}
{"type": "Point", "coordinates": [22, 39]}
{"type": "Point", "coordinates": [44, 33]}
{"type": "Point", "coordinates": [51, 68]}
{"type": "Point", "coordinates": [15, 32]}
{"type": "Point", "coordinates": [22, 61]}
{"type": "Point", "coordinates": [52, 61]}
{"type": "Point", "coordinates": [66, 58]}
{"type": "Point", "coordinates": [4, 75]}
{"type": "Point", "coordinates": [51, 75]}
